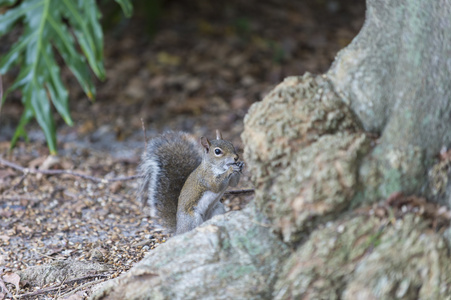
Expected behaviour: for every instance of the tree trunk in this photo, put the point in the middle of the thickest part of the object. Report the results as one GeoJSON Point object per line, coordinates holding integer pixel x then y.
{"type": "Point", "coordinates": [396, 77]}
{"type": "Point", "coordinates": [321, 151]}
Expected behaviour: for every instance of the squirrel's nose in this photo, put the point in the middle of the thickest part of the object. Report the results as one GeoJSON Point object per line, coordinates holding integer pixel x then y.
{"type": "Point", "coordinates": [236, 157]}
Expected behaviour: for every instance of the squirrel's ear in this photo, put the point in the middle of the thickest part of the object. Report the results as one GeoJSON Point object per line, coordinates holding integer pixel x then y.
{"type": "Point", "coordinates": [205, 143]}
{"type": "Point", "coordinates": [218, 135]}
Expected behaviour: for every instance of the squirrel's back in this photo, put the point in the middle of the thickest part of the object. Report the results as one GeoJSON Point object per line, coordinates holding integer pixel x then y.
{"type": "Point", "coordinates": [165, 165]}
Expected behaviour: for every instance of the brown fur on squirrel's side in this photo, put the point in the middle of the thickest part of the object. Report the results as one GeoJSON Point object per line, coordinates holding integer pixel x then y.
{"type": "Point", "coordinates": [166, 164]}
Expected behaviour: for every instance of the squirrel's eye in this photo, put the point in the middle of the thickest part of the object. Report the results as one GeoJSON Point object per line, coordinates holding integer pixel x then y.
{"type": "Point", "coordinates": [218, 151]}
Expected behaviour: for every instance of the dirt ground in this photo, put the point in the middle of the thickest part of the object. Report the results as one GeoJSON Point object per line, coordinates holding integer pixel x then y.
{"type": "Point", "coordinates": [196, 68]}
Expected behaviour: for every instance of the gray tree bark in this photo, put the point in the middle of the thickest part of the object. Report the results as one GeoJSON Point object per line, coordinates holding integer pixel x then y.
{"type": "Point", "coordinates": [396, 77]}
{"type": "Point", "coordinates": [318, 171]}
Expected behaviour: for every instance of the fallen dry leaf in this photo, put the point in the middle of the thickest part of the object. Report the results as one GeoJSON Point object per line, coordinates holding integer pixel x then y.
{"type": "Point", "coordinates": [3, 290]}
{"type": "Point", "coordinates": [115, 187]}
{"type": "Point", "coordinates": [49, 162]}
{"type": "Point", "coordinates": [35, 163]}
{"type": "Point", "coordinates": [12, 278]}
{"type": "Point", "coordinates": [6, 173]}
{"type": "Point", "coordinates": [24, 229]}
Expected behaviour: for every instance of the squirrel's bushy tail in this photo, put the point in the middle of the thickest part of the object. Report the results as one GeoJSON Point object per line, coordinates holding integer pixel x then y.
{"type": "Point", "coordinates": [165, 165]}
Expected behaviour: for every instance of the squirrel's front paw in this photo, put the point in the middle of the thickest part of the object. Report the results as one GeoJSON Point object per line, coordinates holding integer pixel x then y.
{"type": "Point", "coordinates": [238, 166]}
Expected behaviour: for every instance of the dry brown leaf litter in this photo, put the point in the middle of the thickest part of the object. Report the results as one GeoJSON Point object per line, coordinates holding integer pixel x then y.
{"type": "Point", "coordinates": [58, 218]}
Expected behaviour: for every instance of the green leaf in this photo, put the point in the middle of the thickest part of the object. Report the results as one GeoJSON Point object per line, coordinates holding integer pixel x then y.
{"type": "Point", "coordinates": [11, 16]}
{"type": "Point", "coordinates": [55, 87]}
{"type": "Point", "coordinates": [126, 6]}
{"type": "Point", "coordinates": [12, 56]}
{"type": "Point", "coordinates": [7, 2]}
{"type": "Point", "coordinates": [24, 77]}
{"type": "Point", "coordinates": [50, 25]}
{"type": "Point", "coordinates": [43, 113]}
{"type": "Point", "coordinates": [76, 63]}
{"type": "Point", "coordinates": [85, 37]}
{"type": "Point", "coordinates": [26, 117]}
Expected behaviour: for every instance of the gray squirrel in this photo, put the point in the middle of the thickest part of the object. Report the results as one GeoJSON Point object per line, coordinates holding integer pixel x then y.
{"type": "Point", "coordinates": [183, 182]}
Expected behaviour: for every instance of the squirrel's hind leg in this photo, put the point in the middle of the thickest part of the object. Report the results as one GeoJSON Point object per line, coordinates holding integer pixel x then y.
{"type": "Point", "coordinates": [185, 222]}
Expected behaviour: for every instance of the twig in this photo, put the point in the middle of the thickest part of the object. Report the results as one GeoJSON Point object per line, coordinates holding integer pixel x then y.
{"type": "Point", "coordinates": [96, 179]}
{"type": "Point", "coordinates": [20, 181]}
{"type": "Point", "coordinates": [240, 192]}
{"type": "Point", "coordinates": [144, 132]}
{"type": "Point", "coordinates": [45, 255]}
{"type": "Point", "coordinates": [61, 285]}
{"type": "Point", "coordinates": [89, 276]}
{"type": "Point", "coordinates": [85, 285]}
{"type": "Point", "coordinates": [58, 286]}
{"type": "Point", "coordinates": [58, 172]}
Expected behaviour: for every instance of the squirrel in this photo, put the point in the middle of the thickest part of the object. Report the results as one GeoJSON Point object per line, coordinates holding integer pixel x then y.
{"type": "Point", "coordinates": [183, 182]}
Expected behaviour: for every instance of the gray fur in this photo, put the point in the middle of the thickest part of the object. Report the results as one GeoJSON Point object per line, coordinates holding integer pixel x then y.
{"type": "Point", "coordinates": [208, 206]}
{"type": "Point", "coordinates": [183, 183]}
{"type": "Point", "coordinates": [211, 178]}
{"type": "Point", "coordinates": [166, 164]}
